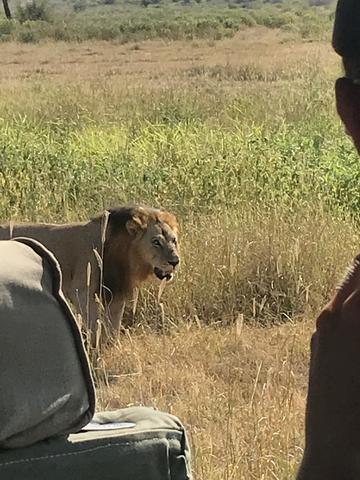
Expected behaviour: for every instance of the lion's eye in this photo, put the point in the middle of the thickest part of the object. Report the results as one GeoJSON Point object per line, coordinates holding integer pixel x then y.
{"type": "Point", "coordinates": [174, 241]}
{"type": "Point", "coordinates": [156, 242]}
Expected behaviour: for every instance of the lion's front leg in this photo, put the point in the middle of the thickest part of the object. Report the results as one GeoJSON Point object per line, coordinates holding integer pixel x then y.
{"type": "Point", "coordinates": [115, 314]}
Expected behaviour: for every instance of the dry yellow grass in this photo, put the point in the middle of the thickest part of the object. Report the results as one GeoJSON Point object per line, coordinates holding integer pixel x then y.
{"type": "Point", "coordinates": [156, 63]}
{"type": "Point", "coordinates": [240, 391]}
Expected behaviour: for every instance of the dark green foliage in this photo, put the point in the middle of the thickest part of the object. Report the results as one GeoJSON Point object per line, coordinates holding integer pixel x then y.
{"type": "Point", "coordinates": [318, 3]}
{"type": "Point", "coordinates": [175, 21]}
{"type": "Point", "coordinates": [33, 10]}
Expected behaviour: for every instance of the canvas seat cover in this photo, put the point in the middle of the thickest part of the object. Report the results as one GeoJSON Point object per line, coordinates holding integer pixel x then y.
{"type": "Point", "coordinates": [155, 448]}
{"type": "Point", "coordinates": [45, 383]}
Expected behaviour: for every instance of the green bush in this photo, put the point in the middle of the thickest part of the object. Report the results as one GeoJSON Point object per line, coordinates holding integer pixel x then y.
{"type": "Point", "coordinates": [26, 33]}
{"type": "Point", "coordinates": [33, 10]}
{"type": "Point", "coordinates": [318, 3]}
{"type": "Point", "coordinates": [79, 5]}
{"type": "Point", "coordinates": [6, 28]}
{"type": "Point", "coordinates": [168, 21]}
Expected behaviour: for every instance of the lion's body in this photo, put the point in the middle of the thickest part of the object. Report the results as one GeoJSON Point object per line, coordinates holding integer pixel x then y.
{"type": "Point", "coordinates": [73, 245]}
{"type": "Point", "coordinates": [112, 249]}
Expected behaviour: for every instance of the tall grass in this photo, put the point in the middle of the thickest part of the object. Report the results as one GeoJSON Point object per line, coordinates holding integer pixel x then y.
{"type": "Point", "coordinates": [239, 391]}
{"type": "Point", "coordinates": [260, 182]}
{"type": "Point", "coordinates": [254, 161]}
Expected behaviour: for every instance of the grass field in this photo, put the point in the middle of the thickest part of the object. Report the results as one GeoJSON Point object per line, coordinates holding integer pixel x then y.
{"type": "Point", "coordinates": [125, 21]}
{"type": "Point", "coordinates": [240, 138]}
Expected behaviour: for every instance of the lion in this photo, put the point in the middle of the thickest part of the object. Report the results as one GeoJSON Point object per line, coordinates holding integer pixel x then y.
{"type": "Point", "coordinates": [108, 257]}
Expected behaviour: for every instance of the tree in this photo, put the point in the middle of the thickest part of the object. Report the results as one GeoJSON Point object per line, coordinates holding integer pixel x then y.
{"type": "Point", "coordinates": [7, 9]}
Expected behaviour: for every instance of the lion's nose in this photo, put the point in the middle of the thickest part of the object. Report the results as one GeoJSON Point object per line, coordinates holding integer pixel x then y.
{"type": "Point", "coordinates": [175, 261]}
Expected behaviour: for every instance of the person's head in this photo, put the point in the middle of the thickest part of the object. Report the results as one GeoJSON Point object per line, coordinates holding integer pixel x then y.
{"type": "Point", "coordinates": [346, 42]}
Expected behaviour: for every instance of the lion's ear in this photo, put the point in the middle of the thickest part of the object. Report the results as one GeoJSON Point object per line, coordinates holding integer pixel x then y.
{"type": "Point", "coordinates": [134, 225]}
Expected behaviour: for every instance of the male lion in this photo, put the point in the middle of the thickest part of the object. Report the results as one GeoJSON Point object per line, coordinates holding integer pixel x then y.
{"type": "Point", "coordinates": [119, 250]}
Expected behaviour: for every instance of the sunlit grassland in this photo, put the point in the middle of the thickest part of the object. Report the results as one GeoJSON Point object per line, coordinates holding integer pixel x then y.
{"type": "Point", "coordinates": [240, 138]}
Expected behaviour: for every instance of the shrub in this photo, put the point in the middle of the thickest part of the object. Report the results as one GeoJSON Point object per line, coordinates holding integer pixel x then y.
{"type": "Point", "coordinates": [79, 5]}
{"type": "Point", "coordinates": [167, 21]}
{"type": "Point", "coordinates": [33, 10]}
{"type": "Point", "coordinates": [26, 34]}
{"type": "Point", "coordinates": [319, 3]}
{"type": "Point", "coordinates": [6, 28]}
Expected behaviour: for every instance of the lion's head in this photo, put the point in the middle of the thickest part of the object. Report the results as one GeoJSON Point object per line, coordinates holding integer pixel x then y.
{"type": "Point", "coordinates": [153, 235]}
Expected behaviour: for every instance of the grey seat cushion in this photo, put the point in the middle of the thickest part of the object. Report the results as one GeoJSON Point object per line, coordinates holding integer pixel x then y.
{"type": "Point", "coordinates": [45, 382]}
{"type": "Point", "coordinates": [156, 448]}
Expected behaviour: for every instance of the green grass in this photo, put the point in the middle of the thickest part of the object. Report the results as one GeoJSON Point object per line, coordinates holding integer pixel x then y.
{"type": "Point", "coordinates": [261, 177]}
{"type": "Point", "coordinates": [189, 151]}
{"type": "Point", "coordinates": [125, 23]}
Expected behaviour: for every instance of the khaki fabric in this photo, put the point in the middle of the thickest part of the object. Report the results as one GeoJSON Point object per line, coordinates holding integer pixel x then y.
{"type": "Point", "coordinates": [155, 449]}
{"type": "Point", "coordinates": [45, 382]}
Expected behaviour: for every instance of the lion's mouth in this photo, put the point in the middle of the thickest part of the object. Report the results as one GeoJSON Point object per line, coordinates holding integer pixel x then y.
{"type": "Point", "coordinates": [161, 275]}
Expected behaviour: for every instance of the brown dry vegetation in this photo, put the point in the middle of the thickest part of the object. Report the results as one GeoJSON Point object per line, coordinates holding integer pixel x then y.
{"type": "Point", "coordinates": [239, 390]}
{"type": "Point", "coordinates": [155, 63]}
{"type": "Point", "coordinates": [228, 353]}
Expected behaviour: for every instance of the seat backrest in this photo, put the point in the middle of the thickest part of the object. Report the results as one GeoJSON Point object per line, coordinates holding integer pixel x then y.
{"type": "Point", "coordinates": [46, 387]}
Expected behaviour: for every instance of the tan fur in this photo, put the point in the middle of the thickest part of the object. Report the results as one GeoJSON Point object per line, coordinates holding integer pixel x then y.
{"type": "Point", "coordinates": [115, 248]}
